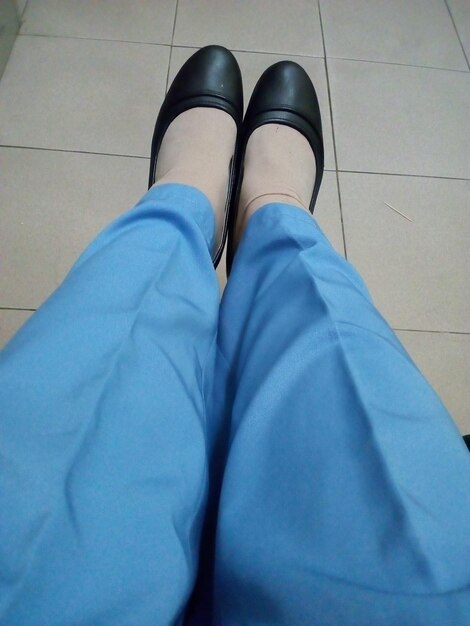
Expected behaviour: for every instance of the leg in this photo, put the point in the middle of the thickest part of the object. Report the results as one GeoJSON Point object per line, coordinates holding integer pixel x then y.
{"type": "Point", "coordinates": [105, 440]}
{"type": "Point", "coordinates": [103, 435]}
{"type": "Point", "coordinates": [346, 494]}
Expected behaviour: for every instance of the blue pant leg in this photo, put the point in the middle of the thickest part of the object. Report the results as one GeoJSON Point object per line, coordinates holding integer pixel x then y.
{"type": "Point", "coordinates": [103, 452]}
{"type": "Point", "coordinates": [346, 492]}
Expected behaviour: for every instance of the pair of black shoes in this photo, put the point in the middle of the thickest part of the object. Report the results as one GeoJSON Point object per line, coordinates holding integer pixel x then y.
{"type": "Point", "coordinates": [283, 95]}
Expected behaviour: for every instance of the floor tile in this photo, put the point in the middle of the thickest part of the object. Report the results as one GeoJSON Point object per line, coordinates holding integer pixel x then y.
{"type": "Point", "coordinates": [327, 214]}
{"type": "Point", "coordinates": [125, 20]}
{"type": "Point", "coordinates": [10, 322]}
{"type": "Point", "coordinates": [253, 64]}
{"type": "Point", "coordinates": [400, 120]}
{"type": "Point", "coordinates": [445, 361]}
{"type": "Point", "coordinates": [73, 94]}
{"type": "Point", "coordinates": [417, 272]}
{"type": "Point", "coordinates": [460, 10]}
{"type": "Point", "coordinates": [259, 25]}
{"type": "Point", "coordinates": [393, 32]}
{"type": "Point", "coordinates": [53, 204]}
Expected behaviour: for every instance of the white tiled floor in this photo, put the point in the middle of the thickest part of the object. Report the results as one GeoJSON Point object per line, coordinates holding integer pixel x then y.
{"type": "Point", "coordinates": [255, 26]}
{"type": "Point", "coordinates": [78, 94]}
{"type": "Point", "coordinates": [84, 83]}
{"type": "Point", "coordinates": [416, 33]}
{"type": "Point", "coordinates": [400, 120]}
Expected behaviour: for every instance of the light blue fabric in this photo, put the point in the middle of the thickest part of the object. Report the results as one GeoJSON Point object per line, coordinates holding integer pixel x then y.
{"type": "Point", "coordinates": [345, 496]}
{"type": "Point", "coordinates": [346, 492]}
{"type": "Point", "coordinates": [102, 431]}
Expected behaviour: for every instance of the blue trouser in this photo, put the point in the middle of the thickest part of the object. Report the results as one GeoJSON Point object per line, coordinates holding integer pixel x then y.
{"type": "Point", "coordinates": [338, 483]}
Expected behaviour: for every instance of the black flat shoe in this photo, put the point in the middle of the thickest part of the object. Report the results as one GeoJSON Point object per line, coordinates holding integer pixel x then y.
{"type": "Point", "coordinates": [210, 78]}
{"type": "Point", "coordinates": [283, 95]}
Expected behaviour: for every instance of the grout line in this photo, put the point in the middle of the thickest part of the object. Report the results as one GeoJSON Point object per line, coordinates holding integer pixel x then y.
{"type": "Point", "coordinates": [277, 54]}
{"type": "Point", "coordinates": [140, 43]}
{"type": "Point", "coordinates": [333, 131]}
{"type": "Point", "coordinates": [312, 56]}
{"type": "Point", "coordinates": [423, 67]}
{"type": "Point", "coordinates": [168, 71]}
{"type": "Point", "coordinates": [22, 14]}
{"type": "Point", "coordinates": [405, 175]}
{"type": "Point", "coordinates": [135, 156]}
{"type": "Point", "coordinates": [127, 156]}
{"type": "Point", "coordinates": [457, 33]}
{"type": "Point", "coordinates": [174, 23]}
{"type": "Point", "coordinates": [436, 332]}
{"type": "Point", "coordinates": [406, 330]}
{"type": "Point", "coordinates": [285, 54]}
{"type": "Point", "coordinates": [171, 48]}
{"type": "Point", "coordinates": [168, 45]}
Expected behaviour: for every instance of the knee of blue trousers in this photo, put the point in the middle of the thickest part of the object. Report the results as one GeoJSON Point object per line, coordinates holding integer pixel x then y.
{"type": "Point", "coordinates": [309, 356]}
{"type": "Point", "coordinates": [74, 537]}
